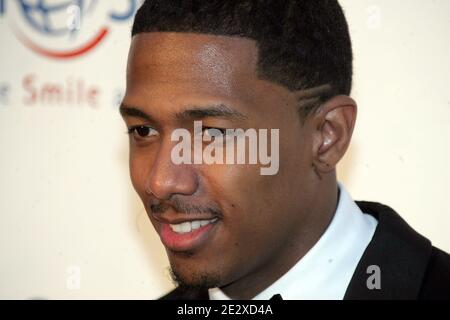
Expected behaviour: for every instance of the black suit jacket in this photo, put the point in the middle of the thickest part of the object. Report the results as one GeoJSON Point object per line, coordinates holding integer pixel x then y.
{"type": "Point", "coordinates": [410, 267]}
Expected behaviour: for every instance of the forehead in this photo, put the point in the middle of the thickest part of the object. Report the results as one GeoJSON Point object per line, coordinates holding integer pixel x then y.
{"type": "Point", "coordinates": [191, 50]}
{"type": "Point", "coordinates": [197, 59]}
{"type": "Point", "coordinates": [170, 71]}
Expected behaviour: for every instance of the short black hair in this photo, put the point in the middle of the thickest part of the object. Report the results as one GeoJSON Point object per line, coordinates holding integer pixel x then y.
{"type": "Point", "coordinates": [302, 44]}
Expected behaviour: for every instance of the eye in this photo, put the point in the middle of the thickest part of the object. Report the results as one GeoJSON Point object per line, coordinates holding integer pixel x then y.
{"type": "Point", "coordinates": [213, 132]}
{"type": "Point", "coordinates": [142, 132]}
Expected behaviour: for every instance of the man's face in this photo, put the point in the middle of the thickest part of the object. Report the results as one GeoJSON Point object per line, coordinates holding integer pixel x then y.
{"type": "Point", "coordinates": [254, 221]}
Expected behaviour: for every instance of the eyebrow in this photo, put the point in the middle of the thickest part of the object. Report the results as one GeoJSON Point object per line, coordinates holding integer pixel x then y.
{"type": "Point", "coordinates": [131, 111]}
{"type": "Point", "coordinates": [213, 111]}
{"type": "Point", "coordinates": [192, 113]}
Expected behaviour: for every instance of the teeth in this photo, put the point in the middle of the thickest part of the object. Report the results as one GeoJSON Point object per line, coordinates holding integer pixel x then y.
{"type": "Point", "coordinates": [186, 227]}
{"type": "Point", "coordinates": [195, 224]}
{"type": "Point", "coordinates": [176, 227]}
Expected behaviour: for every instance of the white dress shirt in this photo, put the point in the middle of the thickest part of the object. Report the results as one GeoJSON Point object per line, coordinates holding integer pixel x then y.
{"type": "Point", "coordinates": [325, 271]}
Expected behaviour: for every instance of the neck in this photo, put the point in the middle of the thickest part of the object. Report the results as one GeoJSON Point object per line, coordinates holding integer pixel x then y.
{"type": "Point", "coordinates": [313, 226]}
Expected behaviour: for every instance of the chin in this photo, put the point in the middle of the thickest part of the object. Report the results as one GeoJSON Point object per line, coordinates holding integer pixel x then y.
{"type": "Point", "coordinates": [194, 278]}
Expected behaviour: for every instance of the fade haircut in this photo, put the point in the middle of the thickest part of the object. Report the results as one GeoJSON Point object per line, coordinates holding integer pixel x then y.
{"type": "Point", "coordinates": [302, 44]}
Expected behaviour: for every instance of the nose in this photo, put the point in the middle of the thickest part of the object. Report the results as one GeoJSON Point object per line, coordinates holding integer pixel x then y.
{"type": "Point", "coordinates": [167, 178]}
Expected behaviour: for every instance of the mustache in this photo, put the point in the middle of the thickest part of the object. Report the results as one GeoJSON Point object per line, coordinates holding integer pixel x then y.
{"type": "Point", "coordinates": [183, 206]}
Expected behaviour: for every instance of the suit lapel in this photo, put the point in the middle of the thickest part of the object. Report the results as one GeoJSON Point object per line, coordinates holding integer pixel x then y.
{"type": "Point", "coordinates": [400, 253]}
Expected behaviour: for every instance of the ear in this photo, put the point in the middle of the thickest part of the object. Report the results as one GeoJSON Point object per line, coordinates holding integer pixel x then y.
{"type": "Point", "coordinates": [333, 125]}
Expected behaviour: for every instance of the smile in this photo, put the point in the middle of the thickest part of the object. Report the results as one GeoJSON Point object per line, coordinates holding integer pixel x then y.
{"type": "Point", "coordinates": [187, 235]}
{"type": "Point", "coordinates": [189, 226]}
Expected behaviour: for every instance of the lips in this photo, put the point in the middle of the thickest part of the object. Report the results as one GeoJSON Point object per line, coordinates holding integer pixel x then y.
{"type": "Point", "coordinates": [187, 235]}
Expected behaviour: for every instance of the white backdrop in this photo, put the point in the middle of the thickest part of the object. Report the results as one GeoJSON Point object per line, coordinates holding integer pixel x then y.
{"type": "Point", "coordinates": [71, 225]}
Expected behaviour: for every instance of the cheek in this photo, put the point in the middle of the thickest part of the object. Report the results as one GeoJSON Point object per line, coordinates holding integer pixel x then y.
{"type": "Point", "coordinates": [263, 207]}
{"type": "Point", "coordinates": [233, 183]}
{"type": "Point", "coordinates": [255, 223]}
{"type": "Point", "coordinates": [246, 198]}
{"type": "Point", "coordinates": [295, 165]}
